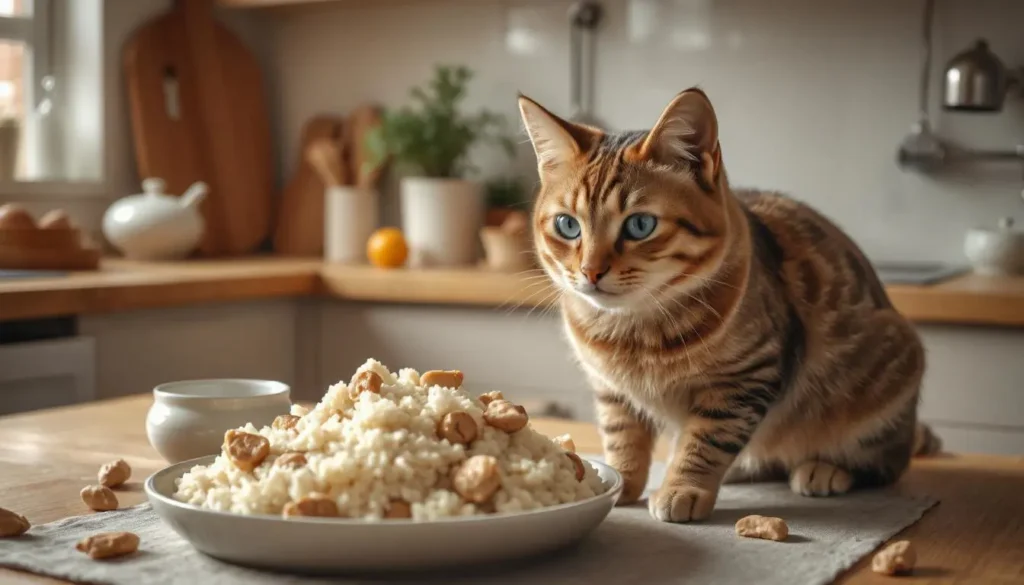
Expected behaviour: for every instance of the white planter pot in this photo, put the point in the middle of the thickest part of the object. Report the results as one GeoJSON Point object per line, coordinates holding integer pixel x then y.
{"type": "Point", "coordinates": [350, 217]}
{"type": "Point", "coordinates": [441, 220]}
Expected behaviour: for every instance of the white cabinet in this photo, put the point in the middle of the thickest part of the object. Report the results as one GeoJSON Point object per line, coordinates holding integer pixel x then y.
{"type": "Point", "coordinates": [136, 350]}
{"type": "Point", "coordinates": [973, 391]}
{"type": "Point", "coordinates": [42, 374]}
{"type": "Point", "coordinates": [521, 353]}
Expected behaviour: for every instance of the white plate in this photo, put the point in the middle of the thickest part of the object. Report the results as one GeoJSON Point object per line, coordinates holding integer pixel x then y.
{"type": "Point", "coordinates": [335, 545]}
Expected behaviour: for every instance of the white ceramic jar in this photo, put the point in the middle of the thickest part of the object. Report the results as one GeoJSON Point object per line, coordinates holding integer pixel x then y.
{"type": "Point", "coordinates": [441, 220]}
{"type": "Point", "coordinates": [996, 251]}
{"type": "Point", "coordinates": [350, 218]}
{"type": "Point", "coordinates": [155, 226]}
{"type": "Point", "coordinates": [188, 419]}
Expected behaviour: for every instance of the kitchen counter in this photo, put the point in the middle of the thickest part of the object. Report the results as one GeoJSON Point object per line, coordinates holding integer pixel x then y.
{"type": "Point", "coordinates": [123, 285]}
{"type": "Point", "coordinates": [973, 536]}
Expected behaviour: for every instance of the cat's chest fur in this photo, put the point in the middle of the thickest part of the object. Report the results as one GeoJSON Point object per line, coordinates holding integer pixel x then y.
{"type": "Point", "coordinates": [646, 378]}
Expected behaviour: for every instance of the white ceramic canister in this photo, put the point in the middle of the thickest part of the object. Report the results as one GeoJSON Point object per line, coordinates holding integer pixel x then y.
{"type": "Point", "coordinates": [441, 220]}
{"type": "Point", "coordinates": [996, 251]}
{"type": "Point", "coordinates": [351, 215]}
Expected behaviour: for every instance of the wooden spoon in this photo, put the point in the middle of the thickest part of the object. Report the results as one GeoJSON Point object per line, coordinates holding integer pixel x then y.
{"type": "Point", "coordinates": [325, 157]}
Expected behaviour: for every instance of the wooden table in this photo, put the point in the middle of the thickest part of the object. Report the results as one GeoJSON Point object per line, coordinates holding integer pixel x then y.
{"type": "Point", "coordinates": [974, 536]}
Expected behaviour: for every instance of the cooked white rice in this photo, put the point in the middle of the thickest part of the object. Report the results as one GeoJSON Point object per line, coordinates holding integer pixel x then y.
{"type": "Point", "coordinates": [363, 453]}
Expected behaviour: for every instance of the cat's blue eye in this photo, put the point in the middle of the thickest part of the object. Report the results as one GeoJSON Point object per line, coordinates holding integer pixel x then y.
{"type": "Point", "coordinates": [567, 226]}
{"type": "Point", "coordinates": [638, 226]}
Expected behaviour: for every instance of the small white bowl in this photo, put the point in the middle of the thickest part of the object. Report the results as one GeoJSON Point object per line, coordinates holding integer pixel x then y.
{"type": "Point", "coordinates": [188, 419]}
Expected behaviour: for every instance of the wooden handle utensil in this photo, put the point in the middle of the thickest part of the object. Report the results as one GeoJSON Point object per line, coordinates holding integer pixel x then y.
{"type": "Point", "coordinates": [325, 157]}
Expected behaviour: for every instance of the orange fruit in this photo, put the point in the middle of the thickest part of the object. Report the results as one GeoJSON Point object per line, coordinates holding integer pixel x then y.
{"type": "Point", "coordinates": [386, 248]}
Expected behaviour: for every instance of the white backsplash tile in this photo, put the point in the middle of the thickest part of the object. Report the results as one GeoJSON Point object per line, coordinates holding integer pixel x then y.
{"type": "Point", "coordinates": [814, 96]}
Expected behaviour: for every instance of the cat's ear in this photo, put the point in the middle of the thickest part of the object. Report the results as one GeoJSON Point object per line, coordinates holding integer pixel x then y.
{"type": "Point", "coordinates": [557, 142]}
{"type": "Point", "coordinates": [686, 135]}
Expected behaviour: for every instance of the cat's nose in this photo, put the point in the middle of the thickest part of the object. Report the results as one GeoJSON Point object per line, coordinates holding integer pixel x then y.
{"type": "Point", "coordinates": [594, 272]}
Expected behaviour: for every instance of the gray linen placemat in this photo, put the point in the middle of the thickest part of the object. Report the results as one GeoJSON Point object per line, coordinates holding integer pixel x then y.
{"type": "Point", "coordinates": [827, 536]}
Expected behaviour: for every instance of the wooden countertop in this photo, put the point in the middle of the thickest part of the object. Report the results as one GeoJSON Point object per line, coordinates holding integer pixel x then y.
{"type": "Point", "coordinates": [125, 285]}
{"type": "Point", "coordinates": [973, 536]}
{"type": "Point", "coordinates": [122, 285]}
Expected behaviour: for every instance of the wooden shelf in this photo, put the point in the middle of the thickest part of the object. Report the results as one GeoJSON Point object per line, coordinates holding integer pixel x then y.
{"type": "Point", "coordinates": [281, 3]}
{"type": "Point", "coordinates": [444, 287]}
{"type": "Point", "coordinates": [123, 285]}
{"type": "Point", "coordinates": [256, 4]}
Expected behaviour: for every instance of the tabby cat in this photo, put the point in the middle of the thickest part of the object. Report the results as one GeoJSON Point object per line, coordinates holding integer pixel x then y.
{"type": "Point", "coordinates": [744, 322]}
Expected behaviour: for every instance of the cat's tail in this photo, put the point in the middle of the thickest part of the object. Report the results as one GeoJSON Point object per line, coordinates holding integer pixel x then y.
{"type": "Point", "coordinates": [926, 442]}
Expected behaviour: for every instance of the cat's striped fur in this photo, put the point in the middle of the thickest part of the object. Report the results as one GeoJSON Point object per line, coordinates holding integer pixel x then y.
{"type": "Point", "coordinates": [746, 323]}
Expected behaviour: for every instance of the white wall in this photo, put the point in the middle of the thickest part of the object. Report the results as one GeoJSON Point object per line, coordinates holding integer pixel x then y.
{"type": "Point", "coordinates": [814, 97]}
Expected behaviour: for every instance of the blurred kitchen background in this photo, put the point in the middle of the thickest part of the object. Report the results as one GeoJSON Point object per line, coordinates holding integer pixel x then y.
{"type": "Point", "coordinates": [814, 98]}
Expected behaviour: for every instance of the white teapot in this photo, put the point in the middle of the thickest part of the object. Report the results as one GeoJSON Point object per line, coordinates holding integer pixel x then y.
{"type": "Point", "coordinates": [156, 226]}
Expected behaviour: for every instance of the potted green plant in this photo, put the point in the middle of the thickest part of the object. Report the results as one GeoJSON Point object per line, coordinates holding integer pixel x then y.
{"type": "Point", "coordinates": [429, 143]}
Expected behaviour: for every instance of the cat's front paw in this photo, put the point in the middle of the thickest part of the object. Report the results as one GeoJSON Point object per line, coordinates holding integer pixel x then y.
{"type": "Point", "coordinates": [682, 503]}
{"type": "Point", "coordinates": [633, 485]}
{"type": "Point", "coordinates": [818, 478]}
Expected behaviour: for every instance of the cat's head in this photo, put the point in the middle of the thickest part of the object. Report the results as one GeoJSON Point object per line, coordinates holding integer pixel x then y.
{"type": "Point", "coordinates": [622, 218]}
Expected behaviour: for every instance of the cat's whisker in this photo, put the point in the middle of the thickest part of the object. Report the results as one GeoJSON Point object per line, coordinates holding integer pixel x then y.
{"type": "Point", "coordinates": [668, 317]}
{"type": "Point", "coordinates": [705, 303]}
{"type": "Point", "coordinates": [525, 300]}
{"type": "Point", "coordinates": [529, 301]}
{"type": "Point", "coordinates": [535, 278]}
{"type": "Point", "coordinates": [707, 280]}
{"type": "Point", "coordinates": [551, 306]}
{"type": "Point", "coordinates": [531, 271]}
{"type": "Point", "coordinates": [713, 281]}
{"type": "Point", "coordinates": [689, 321]}
{"type": "Point", "coordinates": [547, 300]}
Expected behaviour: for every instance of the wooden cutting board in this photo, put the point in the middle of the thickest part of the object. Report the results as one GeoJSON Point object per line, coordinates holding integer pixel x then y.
{"type": "Point", "coordinates": [199, 112]}
{"type": "Point", "coordinates": [300, 226]}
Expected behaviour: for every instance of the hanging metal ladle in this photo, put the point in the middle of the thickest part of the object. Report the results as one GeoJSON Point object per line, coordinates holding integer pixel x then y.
{"type": "Point", "coordinates": [584, 16]}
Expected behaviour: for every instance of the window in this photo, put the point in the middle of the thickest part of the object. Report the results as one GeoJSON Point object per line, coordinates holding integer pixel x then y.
{"type": "Point", "coordinates": [51, 106]}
